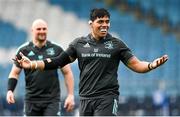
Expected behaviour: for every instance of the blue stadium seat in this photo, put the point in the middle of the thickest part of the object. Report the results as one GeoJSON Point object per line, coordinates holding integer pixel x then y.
{"type": "Point", "coordinates": [10, 33]}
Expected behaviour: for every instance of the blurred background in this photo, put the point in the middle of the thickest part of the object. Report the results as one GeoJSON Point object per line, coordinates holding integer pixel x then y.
{"type": "Point", "coordinates": [150, 28]}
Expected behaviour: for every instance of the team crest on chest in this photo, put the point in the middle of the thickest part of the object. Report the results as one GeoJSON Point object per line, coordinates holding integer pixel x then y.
{"type": "Point", "coordinates": [50, 51]}
{"type": "Point", "coordinates": [109, 45]}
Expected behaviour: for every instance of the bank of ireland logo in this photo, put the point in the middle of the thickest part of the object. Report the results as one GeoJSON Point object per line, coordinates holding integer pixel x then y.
{"type": "Point", "coordinates": [50, 51]}
{"type": "Point", "coordinates": [109, 45]}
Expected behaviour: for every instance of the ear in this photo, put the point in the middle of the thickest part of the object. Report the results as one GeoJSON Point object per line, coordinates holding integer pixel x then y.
{"type": "Point", "coordinates": [109, 24]}
{"type": "Point", "coordinates": [89, 22]}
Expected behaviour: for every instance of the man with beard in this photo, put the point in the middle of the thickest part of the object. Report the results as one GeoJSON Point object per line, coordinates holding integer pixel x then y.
{"type": "Point", "coordinates": [42, 96]}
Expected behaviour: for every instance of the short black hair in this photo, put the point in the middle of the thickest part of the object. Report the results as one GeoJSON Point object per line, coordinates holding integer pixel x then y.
{"type": "Point", "coordinates": [98, 13]}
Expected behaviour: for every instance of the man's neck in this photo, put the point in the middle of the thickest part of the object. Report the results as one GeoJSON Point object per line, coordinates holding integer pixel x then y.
{"type": "Point", "coordinates": [39, 44]}
{"type": "Point", "coordinates": [96, 37]}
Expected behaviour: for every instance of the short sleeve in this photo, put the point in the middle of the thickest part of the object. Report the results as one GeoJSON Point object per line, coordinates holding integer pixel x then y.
{"type": "Point", "coordinates": [71, 50]}
{"type": "Point", "coordinates": [125, 53]}
{"type": "Point", "coordinates": [18, 57]}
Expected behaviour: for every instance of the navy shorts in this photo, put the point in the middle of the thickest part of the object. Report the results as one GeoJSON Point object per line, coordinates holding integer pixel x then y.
{"type": "Point", "coordinates": [104, 106]}
{"type": "Point", "coordinates": [42, 109]}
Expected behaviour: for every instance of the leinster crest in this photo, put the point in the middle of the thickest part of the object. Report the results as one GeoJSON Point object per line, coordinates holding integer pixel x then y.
{"type": "Point", "coordinates": [50, 51]}
{"type": "Point", "coordinates": [108, 45]}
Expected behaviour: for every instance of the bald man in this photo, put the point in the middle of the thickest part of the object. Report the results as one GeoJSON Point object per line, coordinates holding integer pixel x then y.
{"type": "Point", "coordinates": [42, 96]}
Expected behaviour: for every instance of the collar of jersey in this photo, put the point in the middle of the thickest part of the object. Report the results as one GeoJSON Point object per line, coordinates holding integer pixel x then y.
{"type": "Point", "coordinates": [91, 38]}
{"type": "Point", "coordinates": [31, 43]}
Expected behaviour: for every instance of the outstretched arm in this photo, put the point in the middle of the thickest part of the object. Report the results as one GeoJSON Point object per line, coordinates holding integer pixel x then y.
{"type": "Point", "coordinates": [49, 63]}
{"type": "Point", "coordinates": [142, 66]}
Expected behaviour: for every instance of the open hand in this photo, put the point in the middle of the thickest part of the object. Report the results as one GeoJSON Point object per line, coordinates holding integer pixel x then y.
{"type": "Point", "coordinates": [159, 61]}
{"type": "Point", "coordinates": [24, 62]}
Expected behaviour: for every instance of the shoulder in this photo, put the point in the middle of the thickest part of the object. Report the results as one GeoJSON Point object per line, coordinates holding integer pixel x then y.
{"type": "Point", "coordinates": [23, 47]}
{"type": "Point", "coordinates": [78, 40]}
{"type": "Point", "coordinates": [53, 44]}
{"type": "Point", "coordinates": [119, 40]}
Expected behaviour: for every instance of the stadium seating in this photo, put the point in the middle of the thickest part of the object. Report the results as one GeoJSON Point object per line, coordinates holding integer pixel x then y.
{"type": "Point", "coordinates": [68, 19]}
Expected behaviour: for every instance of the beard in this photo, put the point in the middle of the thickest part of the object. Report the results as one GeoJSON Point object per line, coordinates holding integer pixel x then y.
{"type": "Point", "coordinates": [41, 37]}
